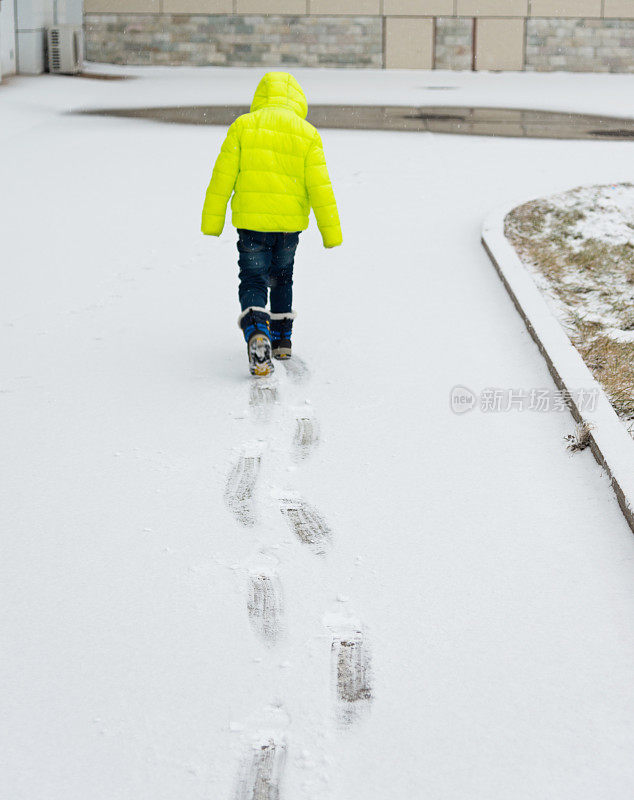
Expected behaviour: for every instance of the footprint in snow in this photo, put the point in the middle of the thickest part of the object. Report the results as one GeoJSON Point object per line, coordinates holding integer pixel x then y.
{"type": "Point", "coordinates": [265, 606]}
{"type": "Point", "coordinates": [352, 670]}
{"type": "Point", "coordinates": [306, 523]}
{"type": "Point", "coordinates": [241, 483]}
{"type": "Point", "coordinates": [297, 369]}
{"type": "Point", "coordinates": [306, 436]}
{"type": "Point", "coordinates": [263, 393]}
{"type": "Point", "coordinates": [262, 770]}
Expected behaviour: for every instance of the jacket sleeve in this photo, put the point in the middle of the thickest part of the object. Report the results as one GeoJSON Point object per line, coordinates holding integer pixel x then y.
{"type": "Point", "coordinates": [222, 182]}
{"type": "Point", "coordinates": [321, 195]}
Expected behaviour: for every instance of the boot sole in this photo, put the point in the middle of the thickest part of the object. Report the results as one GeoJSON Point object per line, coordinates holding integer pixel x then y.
{"type": "Point", "coordinates": [262, 371]}
{"type": "Point", "coordinates": [260, 365]}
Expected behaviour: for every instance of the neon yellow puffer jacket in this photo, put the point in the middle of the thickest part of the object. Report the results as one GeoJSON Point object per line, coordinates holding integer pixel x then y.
{"type": "Point", "coordinates": [273, 161]}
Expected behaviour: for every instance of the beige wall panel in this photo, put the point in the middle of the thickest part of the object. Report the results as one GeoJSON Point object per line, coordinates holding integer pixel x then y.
{"type": "Point", "coordinates": [409, 43]}
{"type": "Point", "coordinates": [493, 8]}
{"type": "Point", "coordinates": [198, 6]}
{"type": "Point", "coordinates": [619, 8]}
{"type": "Point", "coordinates": [500, 44]}
{"type": "Point", "coordinates": [271, 6]}
{"type": "Point", "coordinates": [121, 6]}
{"type": "Point", "coordinates": [566, 8]}
{"type": "Point", "coordinates": [418, 8]}
{"type": "Point", "coordinates": [372, 7]}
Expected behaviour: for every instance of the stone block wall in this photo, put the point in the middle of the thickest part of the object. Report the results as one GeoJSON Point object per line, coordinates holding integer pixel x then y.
{"type": "Point", "coordinates": [453, 43]}
{"type": "Point", "coordinates": [234, 40]}
{"type": "Point", "coordinates": [545, 35]}
{"type": "Point", "coordinates": [580, 45]}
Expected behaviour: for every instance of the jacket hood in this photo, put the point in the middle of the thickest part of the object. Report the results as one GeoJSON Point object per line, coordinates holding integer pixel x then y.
{"type": "Point", "coordinates": [280, 89]}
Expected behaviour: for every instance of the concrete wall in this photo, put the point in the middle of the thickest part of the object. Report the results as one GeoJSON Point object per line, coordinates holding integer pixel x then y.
{"type": "Point", "coordinates": [588, 35]}
{"type": "Point", "coordinates": [7, 38]}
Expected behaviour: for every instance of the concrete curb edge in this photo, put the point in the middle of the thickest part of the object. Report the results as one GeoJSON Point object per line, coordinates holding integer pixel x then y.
{"type": "Point", "coordinates": [611, 444]}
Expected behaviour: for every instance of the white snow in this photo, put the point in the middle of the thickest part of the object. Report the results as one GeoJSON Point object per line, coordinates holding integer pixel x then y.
{"type": "Point", "coordinates": [620, 336]}
{"type": "Point", "coordinates": [491, 572]}
{"type": "Point", "coordinates": [608, 213]}
{"type": "Point", "coordinates": [165, 86]}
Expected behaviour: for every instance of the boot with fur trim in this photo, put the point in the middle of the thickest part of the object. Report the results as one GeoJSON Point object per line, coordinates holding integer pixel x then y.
{"type": "Point", "coordinates": [281, 332]}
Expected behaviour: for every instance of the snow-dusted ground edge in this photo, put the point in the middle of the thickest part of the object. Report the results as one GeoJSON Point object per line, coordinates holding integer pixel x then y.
{"type": "Point", "coordinates": [602, 93]}
{"type": "Point", "coordinates": [610, 442]}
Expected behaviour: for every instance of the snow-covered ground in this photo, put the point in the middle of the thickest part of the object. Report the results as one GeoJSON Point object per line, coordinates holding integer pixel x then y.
{"type": "Point", "coordinates": [166, 86]}
{"type": "Point", "coordinates": [490, 573]}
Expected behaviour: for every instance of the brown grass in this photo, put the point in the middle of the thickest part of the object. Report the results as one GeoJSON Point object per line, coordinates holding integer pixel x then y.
{"type": "Point", "coordinates": [584, 274]}
{"type": "Point", "coordinates": [612, 364]}
{"type": "Point", "coordinates": [580, 439]}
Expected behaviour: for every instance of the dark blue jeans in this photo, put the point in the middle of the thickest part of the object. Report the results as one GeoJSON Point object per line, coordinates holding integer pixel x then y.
{"type": "Point", "coordinates": [266, 261]}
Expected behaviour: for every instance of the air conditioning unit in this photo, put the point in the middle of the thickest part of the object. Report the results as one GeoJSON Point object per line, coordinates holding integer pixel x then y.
{"type": "Point", "coordinates": [65, 49]}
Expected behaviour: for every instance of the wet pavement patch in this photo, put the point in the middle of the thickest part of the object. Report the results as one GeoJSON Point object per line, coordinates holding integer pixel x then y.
{"type": "Point", "coordinates": [433, 119]}
{"type": "Point", "coordinates": [99, 76]}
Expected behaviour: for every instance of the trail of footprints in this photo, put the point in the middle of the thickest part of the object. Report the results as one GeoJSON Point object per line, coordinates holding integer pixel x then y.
{"type": "Point", "coordinates": [263, 766]}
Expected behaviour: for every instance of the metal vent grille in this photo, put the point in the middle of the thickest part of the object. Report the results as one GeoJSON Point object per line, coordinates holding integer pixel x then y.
{"type": "Point", "coordinates": [55, 55]}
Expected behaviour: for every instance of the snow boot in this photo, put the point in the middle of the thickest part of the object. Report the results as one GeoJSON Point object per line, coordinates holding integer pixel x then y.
{"type": "Point", "coordinates": [281, 331]}
{"type": "Point", "coordinates": [254, 323]}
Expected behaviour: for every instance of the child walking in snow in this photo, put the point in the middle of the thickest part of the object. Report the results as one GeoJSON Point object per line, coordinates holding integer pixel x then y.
{"type": "Point", "coordinates": [273, 162]}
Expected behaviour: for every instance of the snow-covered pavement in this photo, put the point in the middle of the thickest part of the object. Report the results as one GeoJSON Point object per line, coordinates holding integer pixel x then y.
{"type": "Point", "coordinates": [490, 573]}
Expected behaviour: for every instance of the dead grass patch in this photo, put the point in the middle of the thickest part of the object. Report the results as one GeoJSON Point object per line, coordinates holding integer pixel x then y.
{"type": "Point", "coordinates": [580, 439]}
{"type": "Point", "coordinates": [588, 269]}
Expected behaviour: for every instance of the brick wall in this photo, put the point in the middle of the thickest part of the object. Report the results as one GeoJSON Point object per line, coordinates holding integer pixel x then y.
{"type": "Point", "coordinates": [579, 35]}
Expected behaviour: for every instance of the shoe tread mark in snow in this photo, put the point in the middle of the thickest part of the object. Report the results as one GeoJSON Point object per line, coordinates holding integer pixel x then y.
{"type": "Point", "coordinates": [306, 523]}
{"type": "Point", "coordinates": [265, 607]}
{"type": "Point", "coordinates": [263, 393]}
{"type": "Point", "coordinates": [296, 369]}
{"type": "Point", "coordinates": [262, 773]}
{"type": "Point", "coordinates": [352, 668]}
{"type": "Point", "coordinates": [306, 436]}
{"type": "Point", "coordinates": [240, 488]}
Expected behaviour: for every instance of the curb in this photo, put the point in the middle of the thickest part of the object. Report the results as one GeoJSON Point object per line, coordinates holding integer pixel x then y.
{"type": "Point", "coordinates": [611, 444]}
